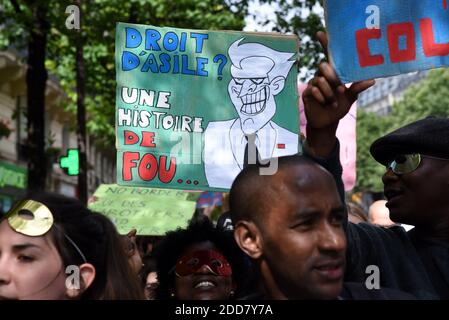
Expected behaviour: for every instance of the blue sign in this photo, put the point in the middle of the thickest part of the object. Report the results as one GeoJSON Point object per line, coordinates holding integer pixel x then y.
{"type": "Point", "coordinates": [379, 38]}
{"type": "Point", "coordinates": [208, 199]}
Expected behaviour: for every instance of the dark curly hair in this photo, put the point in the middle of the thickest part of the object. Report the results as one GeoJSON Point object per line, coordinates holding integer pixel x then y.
{"type": "Point", "coordinates": [172, 247]}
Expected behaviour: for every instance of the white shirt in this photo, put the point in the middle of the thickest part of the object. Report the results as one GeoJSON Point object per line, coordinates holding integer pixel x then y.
{"type": "Point", "coordinates": [225, 143]}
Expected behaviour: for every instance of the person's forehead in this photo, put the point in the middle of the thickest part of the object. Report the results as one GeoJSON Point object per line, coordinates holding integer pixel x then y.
{"type": "Point", "coordinates": [307, 176]}
{"type": "Point", "coordinates": [310, 184]}
{"type": "Point", "coordinates": [205, 245]}
{"type": "Point", "coordinates": [12, 238]}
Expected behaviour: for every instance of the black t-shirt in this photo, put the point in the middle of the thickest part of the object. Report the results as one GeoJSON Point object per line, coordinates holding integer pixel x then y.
{"type": "Point", "coordinates": [357, 291]}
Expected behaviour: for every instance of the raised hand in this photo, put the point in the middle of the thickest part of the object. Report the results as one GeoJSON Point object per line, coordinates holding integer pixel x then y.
{"type": "Point", "coordinates": [326, 101]}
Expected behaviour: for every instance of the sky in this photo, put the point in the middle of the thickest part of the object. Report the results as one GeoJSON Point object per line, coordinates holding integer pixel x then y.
{"type": "Point", "coordinates": [266, 11]}
{"type": "Point", "coordinates": [263, 12]}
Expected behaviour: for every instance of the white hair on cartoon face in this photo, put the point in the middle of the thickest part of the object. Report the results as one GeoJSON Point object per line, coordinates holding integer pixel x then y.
{"type": "Point", "coordinates": [276, 63]}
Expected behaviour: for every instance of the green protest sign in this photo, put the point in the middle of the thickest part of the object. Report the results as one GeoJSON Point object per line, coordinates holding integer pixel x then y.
{"type": "Point", "coordinates": [11, 175]}
{"type": "Point", "coordinates": [192, 106]}
{"type": "Point", "coordinates": [150, 211]}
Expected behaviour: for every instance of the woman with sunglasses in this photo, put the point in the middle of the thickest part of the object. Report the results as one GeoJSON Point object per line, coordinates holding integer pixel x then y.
{"type": "Point", "coordinates": [199, 263]}
{"type": "Point", "coordinates": [54, 248]}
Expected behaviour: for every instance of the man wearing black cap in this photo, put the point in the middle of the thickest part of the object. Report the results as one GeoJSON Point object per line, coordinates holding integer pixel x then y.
{"type": "Point", "coordinates": [416, 184]}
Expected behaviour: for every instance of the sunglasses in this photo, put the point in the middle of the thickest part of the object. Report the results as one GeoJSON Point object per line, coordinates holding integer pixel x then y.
{"type": "Point", "coordinates": [215, 261]}
{"type": "Point", "coordinates": [406, 163]}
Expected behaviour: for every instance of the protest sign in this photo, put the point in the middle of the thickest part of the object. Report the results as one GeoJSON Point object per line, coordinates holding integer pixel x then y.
{"type": "Point", "coordinates": [151, 211]}
{"type": "Point", "coordinates": [209, 199]}
{"type": "Point", "coordinates": [188, 102]}
{"type": "Point", "coordinates": [379, 38]}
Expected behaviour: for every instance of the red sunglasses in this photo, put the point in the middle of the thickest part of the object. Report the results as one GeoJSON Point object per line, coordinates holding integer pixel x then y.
{"type": "Point", "coordinates": [192, 262]}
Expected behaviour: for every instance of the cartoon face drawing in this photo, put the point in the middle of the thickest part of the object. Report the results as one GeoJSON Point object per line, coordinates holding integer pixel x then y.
{"type": "Point", "coordinates": [258, 75]}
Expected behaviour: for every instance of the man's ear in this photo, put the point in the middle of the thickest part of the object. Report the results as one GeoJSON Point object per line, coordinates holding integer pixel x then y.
{"type": "Point", "coordinates": [277, 84]}
{"type": "Point", "coordinates": [248, 238]}
{"type": "Point", "coordinates": [86, 275]}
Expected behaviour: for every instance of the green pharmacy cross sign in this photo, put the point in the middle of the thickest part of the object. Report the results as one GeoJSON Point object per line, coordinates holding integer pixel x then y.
{"type": "Point", "coordinates": [70, 163]}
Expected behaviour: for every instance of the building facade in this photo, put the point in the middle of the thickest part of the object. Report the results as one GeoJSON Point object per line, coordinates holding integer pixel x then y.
{"type": "Point", "coordinates": [60, 136]}
{"type": "Point", "coordinates": [381, 97]}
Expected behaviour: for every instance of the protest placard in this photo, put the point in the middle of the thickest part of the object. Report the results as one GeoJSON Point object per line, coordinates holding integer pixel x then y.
{"type": "Point", "coordinates": [149, 210]}
{"type": "Point", "coordinates": [209, 199]}
{"type": "Point", "coordinates": [378, 38]}
{"type": "Point", "coordinates": [188, 102]}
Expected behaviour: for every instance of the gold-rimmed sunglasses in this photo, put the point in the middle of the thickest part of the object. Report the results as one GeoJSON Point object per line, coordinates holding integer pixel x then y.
{"type": "Point", "coordinates": [406, 163]}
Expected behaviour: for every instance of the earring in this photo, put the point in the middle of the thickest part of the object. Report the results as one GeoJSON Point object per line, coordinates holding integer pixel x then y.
{"type": "Point", "coordinates": [172, 295]}
{"type": "Point", "coordinates": [231, 295]}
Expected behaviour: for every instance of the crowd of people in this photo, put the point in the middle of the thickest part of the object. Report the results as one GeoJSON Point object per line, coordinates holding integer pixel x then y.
{"type": "Point", "coordinates": [289, 235]}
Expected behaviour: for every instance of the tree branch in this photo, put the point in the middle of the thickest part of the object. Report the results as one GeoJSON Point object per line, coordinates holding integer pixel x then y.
{"type": "Point", "coordinates": [16, 6]}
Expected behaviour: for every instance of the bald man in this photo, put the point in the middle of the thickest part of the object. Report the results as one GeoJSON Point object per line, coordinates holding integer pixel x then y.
{"type": "Point", "coordinates": [297, 241]}
{"type": "Point", "coordinates": [291, 225]}
{"type": "Point", "coordinates": [378, 214]}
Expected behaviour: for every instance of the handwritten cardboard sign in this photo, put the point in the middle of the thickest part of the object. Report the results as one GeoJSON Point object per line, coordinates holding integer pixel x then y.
{"type": "Point", "coordinates": [188, 102]}
{"type": "Point", "coordinates": [150, 211]}
{"type": "Point", "coordinates": [379, 38]}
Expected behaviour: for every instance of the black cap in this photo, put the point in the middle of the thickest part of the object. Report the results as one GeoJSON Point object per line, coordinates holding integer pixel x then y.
{"type": "Point", "coordinates": [427, 136]}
